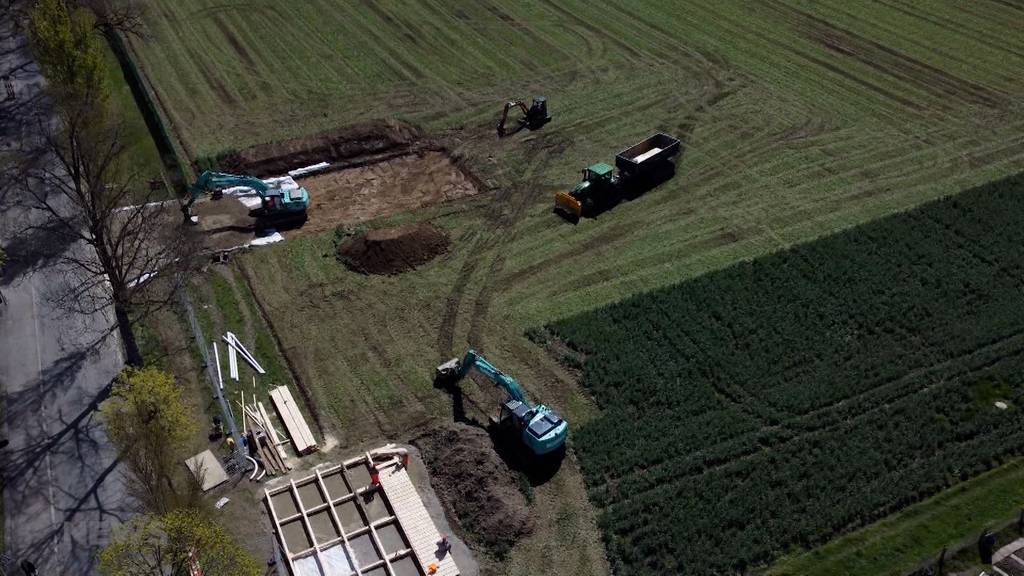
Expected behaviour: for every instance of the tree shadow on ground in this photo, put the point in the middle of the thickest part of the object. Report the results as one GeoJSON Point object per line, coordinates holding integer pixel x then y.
{"type": "Point", "coordinates": [76, 482]}
{"type": "Point", "coordinates": [35, 248]}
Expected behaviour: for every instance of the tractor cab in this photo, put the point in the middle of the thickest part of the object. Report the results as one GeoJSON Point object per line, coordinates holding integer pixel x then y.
{"type": "Point", "coordinates": [599, 172]}
{"type": "Point", "coordinates": [595, 177]}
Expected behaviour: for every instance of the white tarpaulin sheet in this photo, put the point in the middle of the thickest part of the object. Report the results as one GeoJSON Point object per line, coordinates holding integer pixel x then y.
{"type": "Point", "coordinates": [268, 239]}
{"type": "Point", "coordinates": [336, 563]}
{"type": "Point", "coordinates": [207, 469]}
{"type": "Point", "coordinates": [248, 197]}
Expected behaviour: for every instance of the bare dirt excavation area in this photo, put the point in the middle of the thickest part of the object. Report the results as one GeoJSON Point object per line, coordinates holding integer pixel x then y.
{"type": "Point", "coordinates": [374, 170]}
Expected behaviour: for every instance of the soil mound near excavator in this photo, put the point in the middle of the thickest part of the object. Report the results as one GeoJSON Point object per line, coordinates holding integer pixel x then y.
{"type": "Point", "coordinates": [476, 486]}
{"type": "Point", "coordinates": [393, 250]}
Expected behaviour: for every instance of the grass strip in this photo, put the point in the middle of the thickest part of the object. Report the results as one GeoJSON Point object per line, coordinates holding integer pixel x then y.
{"type": "Point", "coordinates": [903, 541]}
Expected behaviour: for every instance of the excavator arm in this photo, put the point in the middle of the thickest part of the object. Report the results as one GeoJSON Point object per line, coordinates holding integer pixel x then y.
{"type": "Point", "coordinates": [212, 181]}
{"type": "Point", "coordinates": [500, 379]}
{"type": "Point", "coordinates": [504, 114]}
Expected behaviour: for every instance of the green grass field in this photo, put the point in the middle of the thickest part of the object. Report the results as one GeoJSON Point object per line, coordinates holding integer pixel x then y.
{"type": "Point", "coordinates": [799, 118]}
{"type": "Point", "coordinates": [141, 155]}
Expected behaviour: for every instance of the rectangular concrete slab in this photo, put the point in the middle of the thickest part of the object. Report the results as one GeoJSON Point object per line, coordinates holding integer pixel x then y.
{"type": "Point", "coordinates": [323, 526]}
{"type": "Point", "coordinates": [310, 495]}
{"type": "Point", "coordinates": [391, 539]}
{"type": "Point", "coordinates": [406, 567]}
{"type": "Point", "coordinates": [295, 537]}
{"type": "Point", "coordinates": [364, 550]}
{"type": "Point", "coordinates": [375, 505]}
{"type": "Point", "coordinates": [350, 515]}
{"type": "Point", "coordinates": [336, 487]}
{"type": "Point", "coordinates": [358, 476]}
{"type": "Point", "coordinates": [284, 504]}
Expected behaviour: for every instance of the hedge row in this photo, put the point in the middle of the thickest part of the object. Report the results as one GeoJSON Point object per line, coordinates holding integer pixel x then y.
{"type": "Point", "coordinates": [154, 122]}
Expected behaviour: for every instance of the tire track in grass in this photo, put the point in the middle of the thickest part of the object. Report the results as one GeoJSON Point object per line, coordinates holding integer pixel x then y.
{"type": "Point", "coordinates": [791, 45]}
{"type": "Point", "coordinates": [900, 66]}
{"type": "Point", "coordinates": [895, 27]}
{"type": "Point", "coordinates": [569, 15]}
{"type": "Point", "coordinates": [956, 27]}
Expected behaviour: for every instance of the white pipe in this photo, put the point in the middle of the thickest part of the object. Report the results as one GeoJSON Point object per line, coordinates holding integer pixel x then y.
{"type": "Point", "coordinates": [255, 466]}
{"type": "Point", "coordinates": [233, 363]}
{"type": "Point", "coordinates": [216, 359]}
{"type": "Point", "coordinates": [232, 340]}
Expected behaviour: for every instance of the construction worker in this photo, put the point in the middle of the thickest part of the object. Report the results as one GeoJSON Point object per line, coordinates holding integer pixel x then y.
{"type": "Point", "coordinates": [444, 546]}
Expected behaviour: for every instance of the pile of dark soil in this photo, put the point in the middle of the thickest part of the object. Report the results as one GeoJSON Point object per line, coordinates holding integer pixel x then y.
{"type": "Point", "coordinates": [476, 486]}
{"type": "Point", "coordinates": [393, 250]}
{"type": "Point", "coordinates": [343, 147]}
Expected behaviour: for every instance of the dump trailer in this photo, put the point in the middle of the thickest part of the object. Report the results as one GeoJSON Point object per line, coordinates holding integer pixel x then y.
{"type": "Point", "coordinates": [639, 168]}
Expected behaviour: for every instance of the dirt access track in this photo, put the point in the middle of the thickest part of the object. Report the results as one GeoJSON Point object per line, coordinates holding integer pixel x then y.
{"type": "Point", "coordinates": [377, 169]}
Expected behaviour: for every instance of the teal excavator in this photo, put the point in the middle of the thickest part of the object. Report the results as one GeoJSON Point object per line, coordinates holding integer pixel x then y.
{"type": "Point", "coordinates": [280, 206]}
{"type": "Point", "coordinates": [540, 428]}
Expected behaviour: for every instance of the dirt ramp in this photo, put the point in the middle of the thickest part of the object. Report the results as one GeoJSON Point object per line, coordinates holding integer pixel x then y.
{"type": "Point", "coordinates": [393, 250]}
{"type": "Point", "coordinates": [476, 486]}
{"type": "Point", "coordinates": [356, 145]}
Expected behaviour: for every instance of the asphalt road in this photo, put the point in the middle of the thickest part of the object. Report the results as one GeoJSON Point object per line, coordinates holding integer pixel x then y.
{"type": "Point", "coordinates": [63, 488]}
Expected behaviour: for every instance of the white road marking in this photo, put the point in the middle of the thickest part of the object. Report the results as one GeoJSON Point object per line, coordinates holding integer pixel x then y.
{"type": "Point", "coordinates": [39, 367]}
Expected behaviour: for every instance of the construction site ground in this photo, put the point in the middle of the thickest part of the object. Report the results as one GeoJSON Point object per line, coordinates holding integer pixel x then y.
{"type": "Point", "coordinates": [811, 118]}
{"type": "Point", "coordinates": [350, 196]}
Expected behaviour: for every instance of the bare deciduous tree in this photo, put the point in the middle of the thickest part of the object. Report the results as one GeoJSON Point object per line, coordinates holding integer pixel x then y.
{"type": "Point", "coordinates": [80, 180]}
{"type": "Point", "coordinates": [123, 17]}
{"type": "Point", "coordinates": [133, 232]}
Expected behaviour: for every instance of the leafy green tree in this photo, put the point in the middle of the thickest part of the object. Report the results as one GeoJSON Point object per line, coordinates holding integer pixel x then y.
{"type": "Point", "coordinates": [70, 53]}
{"type": "Point", "coordinates": [150, 424]}
{"type": "Point", "coordinates": [171, 544]}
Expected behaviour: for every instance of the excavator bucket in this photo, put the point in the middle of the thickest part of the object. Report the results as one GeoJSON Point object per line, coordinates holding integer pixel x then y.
{"type": "Point", "coordinates": [189, 216]}
{"type": "Point", "coordinates": [447, 371]}
{"type": "Point", "coordinates": [566, 204]}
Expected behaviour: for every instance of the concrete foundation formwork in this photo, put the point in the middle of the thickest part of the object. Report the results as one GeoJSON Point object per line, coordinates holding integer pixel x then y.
{"type": "Point", "coordinates": [338, 522]}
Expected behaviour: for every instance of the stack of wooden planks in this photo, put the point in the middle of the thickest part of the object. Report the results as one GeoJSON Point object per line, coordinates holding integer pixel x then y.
{"type": "Point", "coordinates": [294, 421]}
{"type": "Point", "coordinates": [263, 439]}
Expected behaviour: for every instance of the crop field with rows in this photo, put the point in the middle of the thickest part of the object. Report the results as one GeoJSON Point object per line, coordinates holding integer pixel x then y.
{"type": "Point", "coordinates": [786, 399]}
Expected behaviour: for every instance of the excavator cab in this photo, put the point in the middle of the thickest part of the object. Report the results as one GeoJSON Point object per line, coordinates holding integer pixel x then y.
{"type": "Point", "coordinates": [537, 116]}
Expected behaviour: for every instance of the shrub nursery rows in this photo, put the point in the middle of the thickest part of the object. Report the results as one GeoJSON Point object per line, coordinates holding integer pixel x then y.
{"type": "Point", "coordinates": [783, 400]}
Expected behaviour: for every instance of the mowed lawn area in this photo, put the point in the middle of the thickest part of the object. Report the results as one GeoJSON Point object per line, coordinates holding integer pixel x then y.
{"type": "Point", "coordinates": [798, 119]}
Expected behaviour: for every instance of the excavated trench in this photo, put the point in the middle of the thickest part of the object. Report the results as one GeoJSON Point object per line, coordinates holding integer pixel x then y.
{"type": "Point", "coordinates": [376, 170]}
